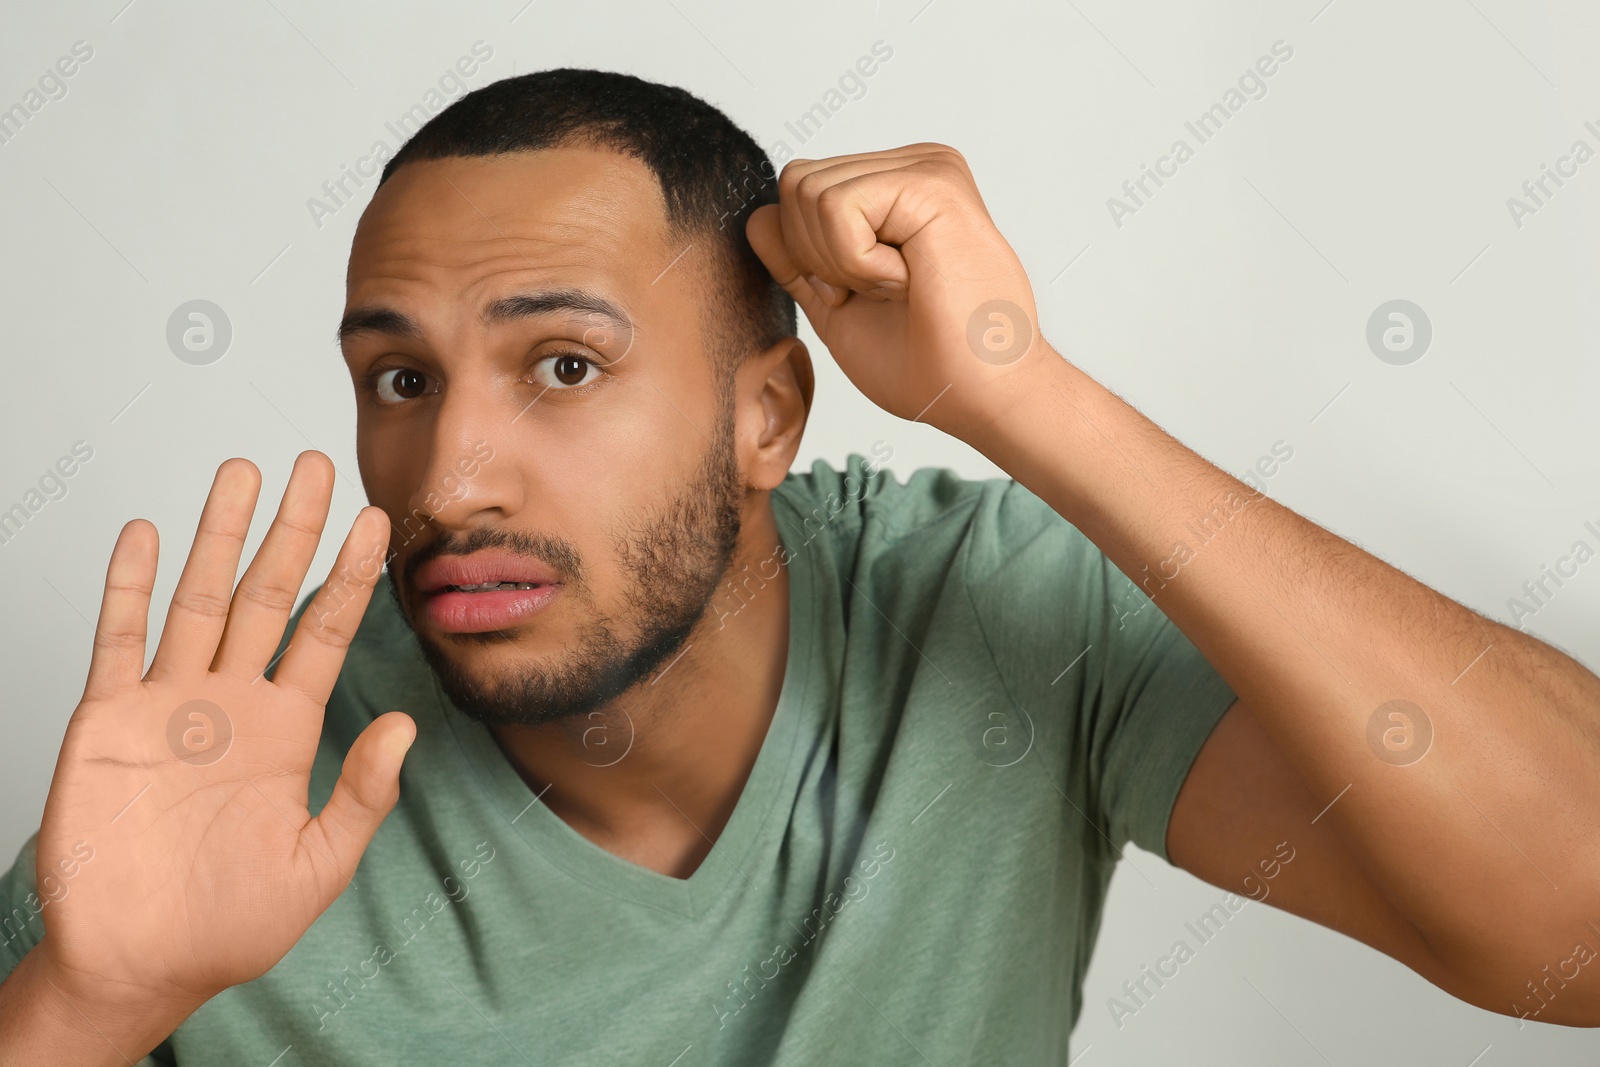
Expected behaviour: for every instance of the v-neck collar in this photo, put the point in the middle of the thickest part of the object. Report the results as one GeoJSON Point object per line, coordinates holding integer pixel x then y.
{"type": "Point", "coordinates": [727, 861]}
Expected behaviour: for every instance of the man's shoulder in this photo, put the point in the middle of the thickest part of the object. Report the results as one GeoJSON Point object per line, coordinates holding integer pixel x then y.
{"type": "Point", "coordinates": [929, 509]}
{"type": "Point", "coordinates": [864, 492]}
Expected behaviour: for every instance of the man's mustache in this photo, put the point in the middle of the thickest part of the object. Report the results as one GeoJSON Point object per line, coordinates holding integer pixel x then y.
{"type": "Point", "coordinates": [554, 552]}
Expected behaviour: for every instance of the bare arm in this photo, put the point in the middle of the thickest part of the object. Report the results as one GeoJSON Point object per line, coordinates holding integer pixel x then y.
{"type": "Point", "coordinates": [1460, 757]}
{"type": "Point", "coordinates": [1478, 860]}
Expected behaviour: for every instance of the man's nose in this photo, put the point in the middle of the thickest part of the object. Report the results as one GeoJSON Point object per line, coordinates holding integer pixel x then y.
{"type": "Point", "coordinates": [467, 472]}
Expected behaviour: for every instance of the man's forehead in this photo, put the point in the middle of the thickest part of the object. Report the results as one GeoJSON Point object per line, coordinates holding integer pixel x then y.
{"type": "Point", "coordinates": [569, 207]}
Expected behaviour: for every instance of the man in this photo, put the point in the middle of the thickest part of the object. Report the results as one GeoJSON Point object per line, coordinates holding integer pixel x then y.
{"type": "Point", "coordinates": [705, 762]}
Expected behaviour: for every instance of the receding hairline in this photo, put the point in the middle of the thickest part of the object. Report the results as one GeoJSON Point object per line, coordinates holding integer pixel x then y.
{"type": "Point", "coordinates": [678, 239]}
{"type": "Point", "coordinates": [672, 228]}
{"type": "Point", "coordinates": [569, 299]}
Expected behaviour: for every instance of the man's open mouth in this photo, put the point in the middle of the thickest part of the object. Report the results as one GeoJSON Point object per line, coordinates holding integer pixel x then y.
{"type": "Point", "coordinates": [488, 590]}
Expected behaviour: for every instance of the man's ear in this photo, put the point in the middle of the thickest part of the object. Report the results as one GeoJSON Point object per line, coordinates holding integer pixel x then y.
{"type": "Point", "coordinates": [772, 397]}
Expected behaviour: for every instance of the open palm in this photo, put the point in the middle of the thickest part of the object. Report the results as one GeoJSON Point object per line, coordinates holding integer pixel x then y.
{"type": "Point", "coordinates": [177, 830]}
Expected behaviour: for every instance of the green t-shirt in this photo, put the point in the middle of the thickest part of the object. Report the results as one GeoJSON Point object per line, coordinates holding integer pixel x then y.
{"type": "Point", "coordinates": [978, 712]}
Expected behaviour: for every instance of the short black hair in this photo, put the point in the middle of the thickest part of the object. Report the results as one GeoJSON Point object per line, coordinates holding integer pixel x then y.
{"type": "Point", "coordinates": [712, 175]}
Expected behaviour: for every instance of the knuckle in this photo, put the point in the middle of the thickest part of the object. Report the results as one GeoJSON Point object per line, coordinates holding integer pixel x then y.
{"type": "Point", "coordinates": [230, 540]}
{"type": "Point", "coordinates": [321, 629]}
{"type": "Point", "coordinates": [957, 165]}
{"type": "Point", "coordinates": [142, 589]}
{"type": "Point", "coordinates": [264, 594]}
{"type": "Point", "coordinates": [201, 603]}
{"type": "Point", "coordinates": [118, 639]}
{"type": "Point", "coordinates": [835, 197]}
{"type": "Point", "coordinates": [302, 529]}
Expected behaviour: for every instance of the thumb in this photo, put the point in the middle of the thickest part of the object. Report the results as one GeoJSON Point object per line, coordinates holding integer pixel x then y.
{"type": "Point", "coordinates": [764, 230]}
{"type": "Point", "coordinates": [366, 791]}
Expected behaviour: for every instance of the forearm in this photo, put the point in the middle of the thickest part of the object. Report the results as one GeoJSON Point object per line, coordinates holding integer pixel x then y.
{"type": "Point", "coordinates": [1470, 842]}
{"type": "Point", "coordinates": [41, 1021]}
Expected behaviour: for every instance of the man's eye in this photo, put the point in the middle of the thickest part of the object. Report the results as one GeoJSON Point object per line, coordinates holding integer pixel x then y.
{"type": "Point", "coordinates": [565, 370]}
{"type": "Point", "coordinates": [399, 384]}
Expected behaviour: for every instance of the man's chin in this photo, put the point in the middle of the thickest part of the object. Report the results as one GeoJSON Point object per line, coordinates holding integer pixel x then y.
{"type": "Point", "coordinates": [512, 678]}
{"type": "Point", "coordinates": [494, 679]}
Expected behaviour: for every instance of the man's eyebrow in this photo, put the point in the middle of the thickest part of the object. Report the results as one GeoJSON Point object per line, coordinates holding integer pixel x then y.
{"type": "Point", "coordinates": [518, 305]}
{"type": "Point", "coordinates": [546, 301]}
{"type": "Point", "coordinates": [378, 320]}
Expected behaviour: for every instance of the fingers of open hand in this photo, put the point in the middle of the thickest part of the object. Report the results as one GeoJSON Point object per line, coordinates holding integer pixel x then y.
{"type": "Point", "coordinates": [266, 594]}
{"type": "Point", "coordinates": [120, 632]}
{"type": "Point", "coordinates": [311, 663]}
{"type": "Point", "coordinates": [199, 609]}
{"type": "Point", "coordinates": [366, 791]}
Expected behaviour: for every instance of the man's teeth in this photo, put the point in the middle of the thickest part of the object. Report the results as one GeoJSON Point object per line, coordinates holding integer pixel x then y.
{"type": "Point", "coordinates": [484, 587]}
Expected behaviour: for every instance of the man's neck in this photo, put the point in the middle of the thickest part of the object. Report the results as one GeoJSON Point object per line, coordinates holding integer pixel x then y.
{"type": "Point", "coordinates": [654, 776]}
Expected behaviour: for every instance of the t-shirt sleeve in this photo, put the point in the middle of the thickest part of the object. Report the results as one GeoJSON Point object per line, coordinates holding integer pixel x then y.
{"type": "Point", "coordinates": [1121, 700]}
{"type": "Point", "coordinates": [21, 921]}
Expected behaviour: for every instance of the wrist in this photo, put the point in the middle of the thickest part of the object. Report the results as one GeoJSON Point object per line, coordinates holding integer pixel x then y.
{"type": "Point", "coordinates": [1040, 416]}
{"type": "Point", "coordinates": [48, 1014]}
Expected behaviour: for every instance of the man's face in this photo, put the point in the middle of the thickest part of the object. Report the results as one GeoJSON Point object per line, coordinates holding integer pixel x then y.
{"type": "Point", "coordinates": [537, 414]}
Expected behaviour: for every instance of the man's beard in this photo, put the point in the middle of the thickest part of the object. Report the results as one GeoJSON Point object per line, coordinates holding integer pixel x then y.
{"type": "Point", "coordinates": [673, 562]}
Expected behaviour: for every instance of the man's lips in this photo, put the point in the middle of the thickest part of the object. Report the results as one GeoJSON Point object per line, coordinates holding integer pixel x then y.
{"type": "Point", "coordinates": [482, 568]}
{"type": "Point", "coordinates": [485, 591]}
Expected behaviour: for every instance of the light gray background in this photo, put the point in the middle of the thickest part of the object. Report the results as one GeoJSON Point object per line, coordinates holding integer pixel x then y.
{"type": "Point", "coordinates": [1231, 308]}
